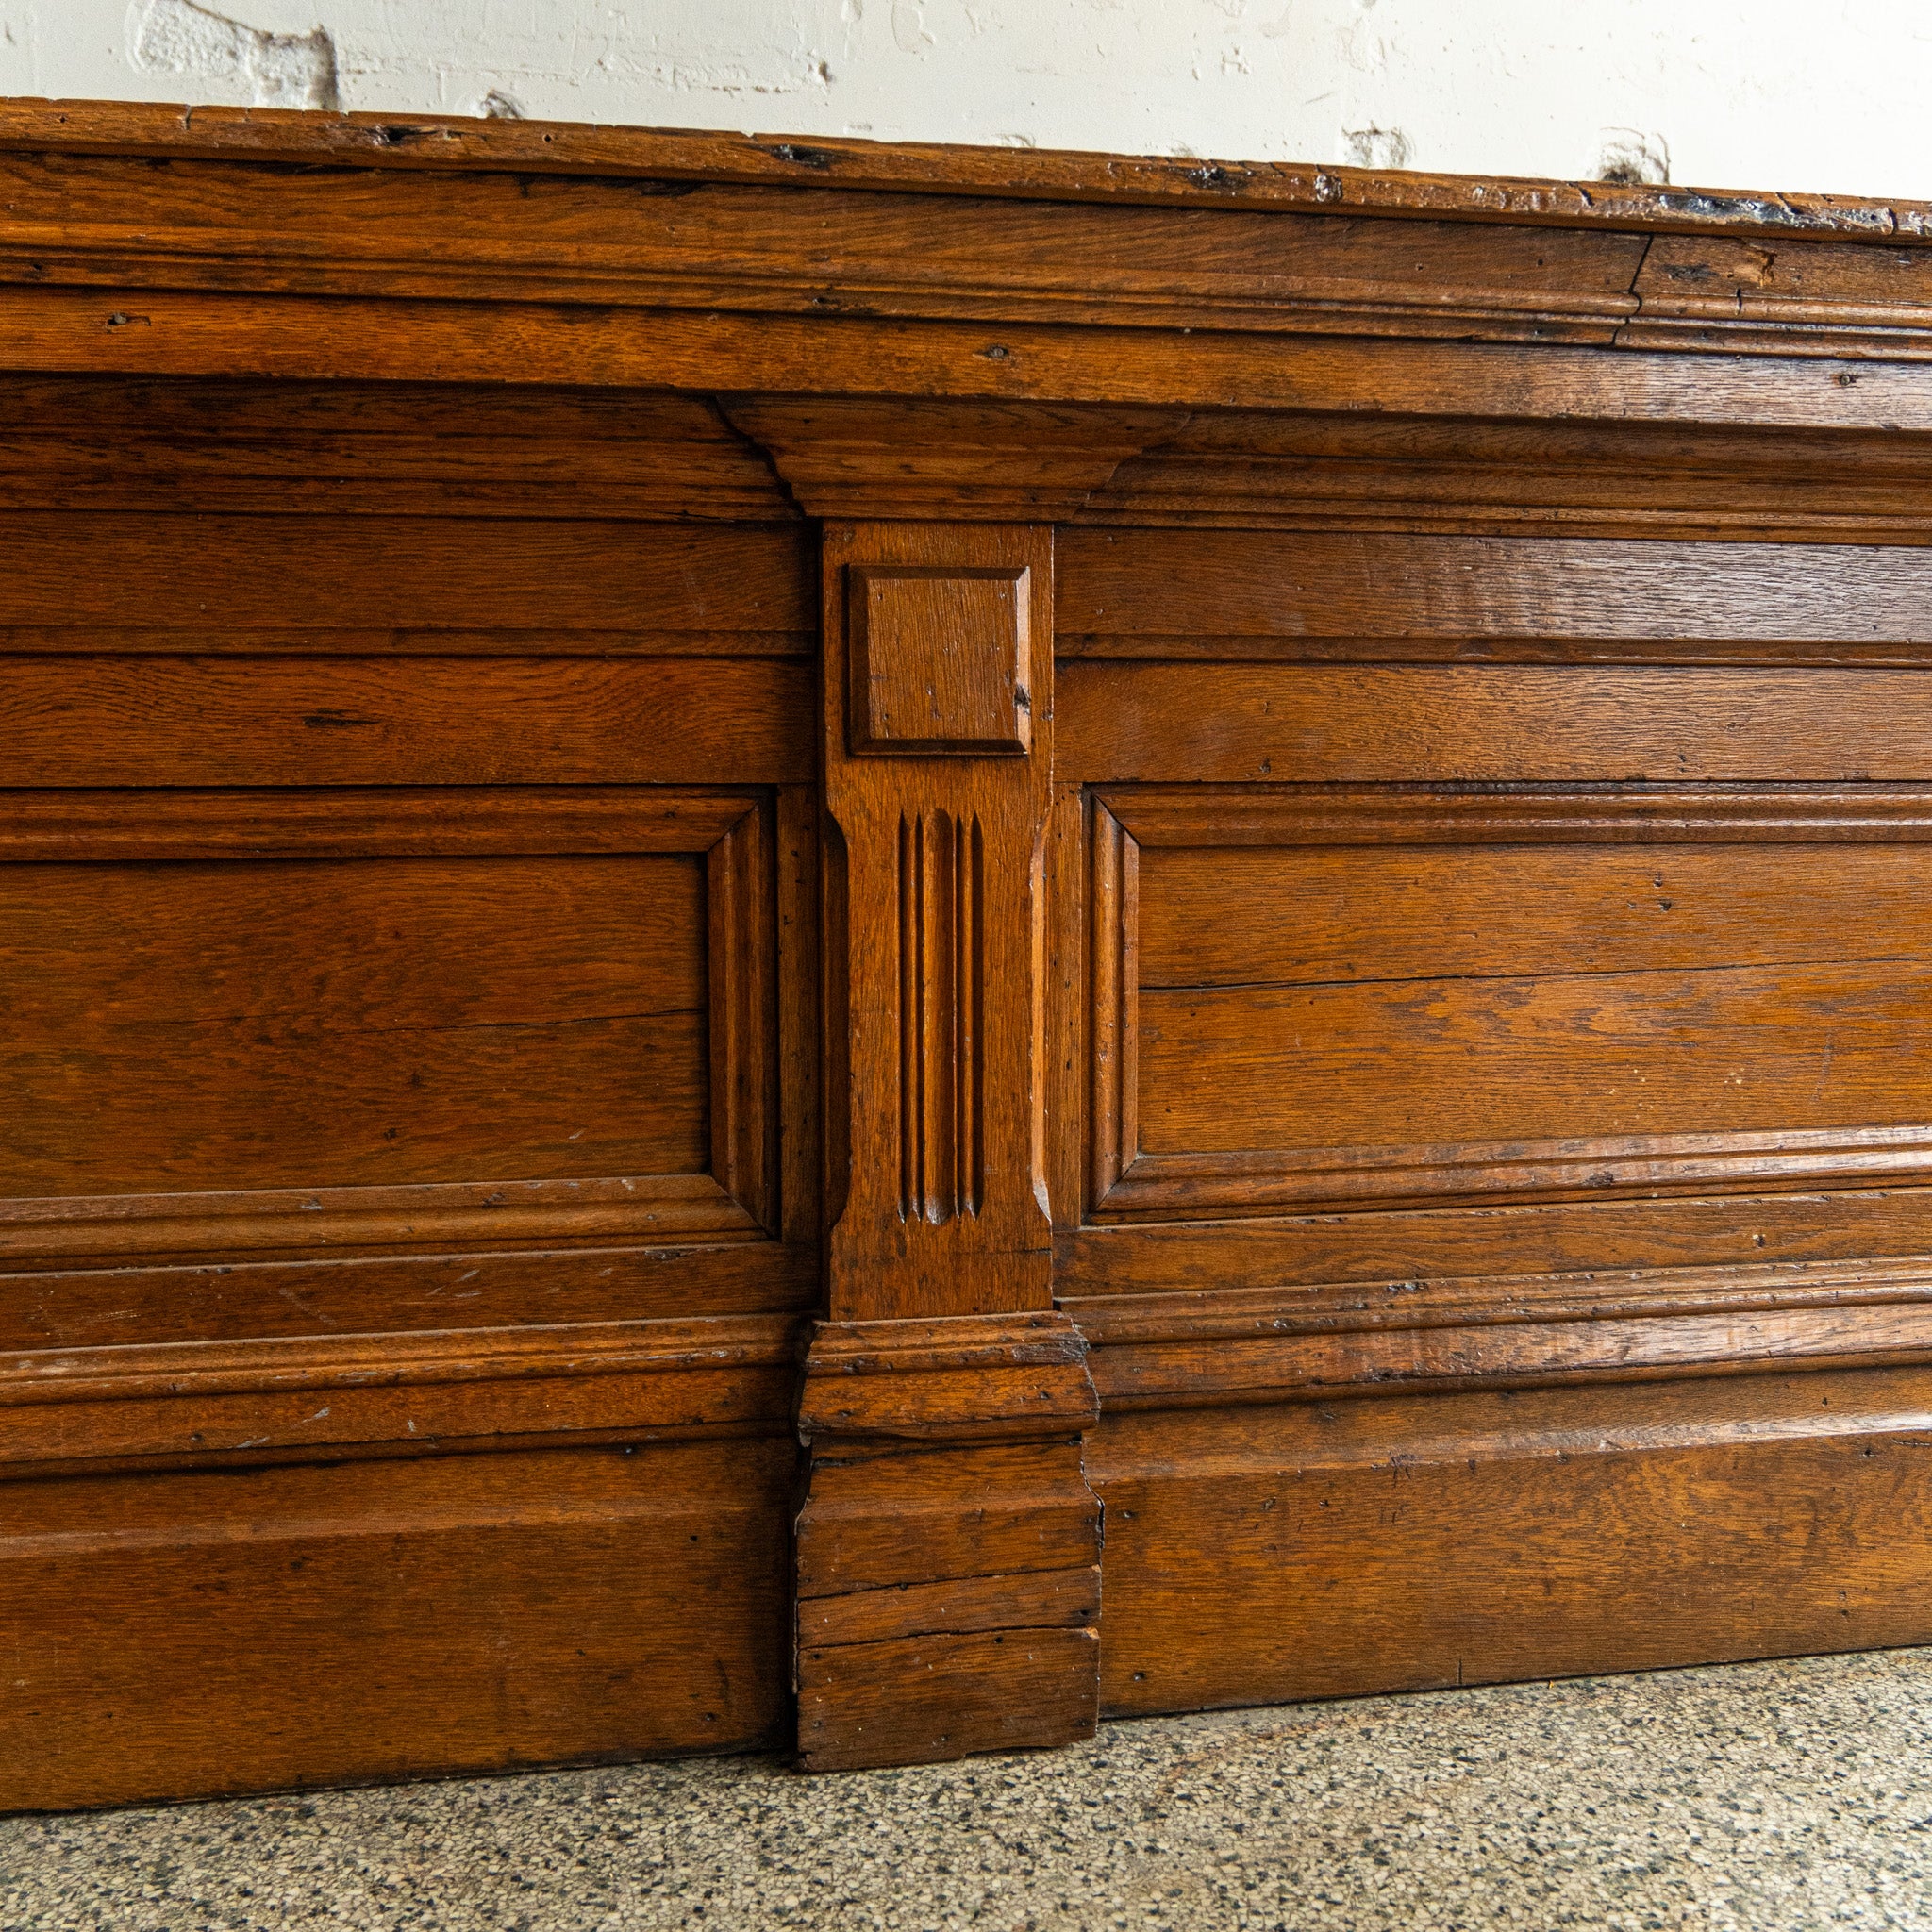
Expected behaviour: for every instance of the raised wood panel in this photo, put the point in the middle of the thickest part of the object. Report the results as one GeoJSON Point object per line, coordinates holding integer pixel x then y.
{"type": "Point", "coordinates": [342, 1022]}
{"type": "Point", "coordinates": [1368, 914]}
{"type": "Point", "coordinates": [391, 1619]}
{"type": "Point", "coordinates": [1736, 1052]}
{"type": "Point", "coordinates": [100, 721]}
{"type": "Point", "coordinates": [1242, 723]}
{"type": "Point", "coordinates": [435, 1040]}
{"type": "Point", "coordinates": [941, 659]}
{"type": "Point", "coordinates": [1324, 1550]}
{"type": "Point", "coordinates": [1723, 1053]}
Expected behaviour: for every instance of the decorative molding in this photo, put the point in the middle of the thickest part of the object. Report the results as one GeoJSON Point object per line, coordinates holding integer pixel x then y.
{"type": "Point", "coordinates": [368, 822]}
{"type": "Point", "coordinates": [1562, 262]}
{"type": "Point", "coordinates": [742, 964]}
{"type": "Point", "coordinates": [1275, 1181]}
{"type": "Point", "coordinates": [953, 1378]}
{"type": "Point", "coordinates": [1414, 477]}
{"type": "Point", "coordinates": [434, 143]}
{"type": "Point", "coordinates": [1194, 1349]}
{"type": "Point", "coordinates": [1113, 905]}
{"type": "Point", "coordinates": [1380, 815]}
{"type": "Point", "coordinates": [1127, 1184]}
{"type": "Point", "coordinates": [935, 923]}
{"type": "Point", "coordinates": [345, 1221]}
{"type": "Point", "coordinates": [415, 1393]}
{"type": "Point", "coordinates": [225, 446]}
{"type": "Point", "coordinates": [941, 1017]}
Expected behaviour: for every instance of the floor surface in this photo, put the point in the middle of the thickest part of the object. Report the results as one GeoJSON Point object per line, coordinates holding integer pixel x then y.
{"type": "Point", "coordinates": [1775, 1797]}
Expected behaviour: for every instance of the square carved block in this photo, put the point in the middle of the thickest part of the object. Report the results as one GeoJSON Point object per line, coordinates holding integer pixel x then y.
{"type": "Point", "coordinates": [939, 660]}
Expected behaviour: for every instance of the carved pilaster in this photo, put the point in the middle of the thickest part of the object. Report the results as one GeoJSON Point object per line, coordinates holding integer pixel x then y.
{"type": "Point", "coordinates": [948, 1550]}
{"type": "Point", "coordinates": [939, 735]}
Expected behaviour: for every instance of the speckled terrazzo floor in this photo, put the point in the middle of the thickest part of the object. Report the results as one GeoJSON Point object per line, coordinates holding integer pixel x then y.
{"type": "Point", "coordinates": [1772, 1797]}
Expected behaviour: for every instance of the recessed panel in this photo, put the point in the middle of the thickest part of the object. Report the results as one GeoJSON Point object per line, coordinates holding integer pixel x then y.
{"type": "Point", "coordinates": [316, 1022]}
{"type": "Point", "coordinates": [1345, 996]}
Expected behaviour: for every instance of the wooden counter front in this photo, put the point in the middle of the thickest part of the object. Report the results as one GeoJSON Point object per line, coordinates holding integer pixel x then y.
{"type": "Point", "coordinates": [874, 947]}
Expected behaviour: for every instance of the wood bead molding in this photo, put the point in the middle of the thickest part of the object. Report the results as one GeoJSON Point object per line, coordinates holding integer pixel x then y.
{"type": "Point", "coordinates": [861, 948]}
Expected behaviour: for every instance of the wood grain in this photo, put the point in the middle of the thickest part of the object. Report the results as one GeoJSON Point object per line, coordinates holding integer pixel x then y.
{"type": "Point", "coordinates": [945, 1497]}
{"type": "Point", "coordinates": [425, 721]}
{"type": "Point", "coordinates": [308, 1396]}
{"type": "Point", "coordinates": [1421, 913]}
{"type": "Point", "coordinates": [557, 583]}
{"type": "Point", "coordinates": [558, 467]}
{"type": "Point", "coordinates": [306, 338]}
{"type": "Point", "coordinates": [1136, 592]}
{"type": "Point", "coordinates": [1521, 723]}
{"type": "Point", "coordinates": [1400, 1246]}
{"type": "Point", "coordinates": [926, 1700]}
{"type": "Point", "coordinates": [78, 1307]}
{"type": "Point", "coordinates": [1332, 1550]}
{"type": "Point", "coordinates": [419, 141]}
{"type": "Point", "coordinates": [941, 658]}
{"type": "Point", "coordinates": [1447, 974]}
{"type": "Point", "coordinates": [1036, 1600]}
{"type": "Point", "coordinates": [384, 1620]}
{"type": "Point", "coordinates": [342, 1022]}
{"type": "Point", "coordinates": [1726, 1051]}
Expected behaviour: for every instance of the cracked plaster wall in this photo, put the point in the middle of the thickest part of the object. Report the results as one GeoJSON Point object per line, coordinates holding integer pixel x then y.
{"type": "Point", "coordinates": [1759, 93]}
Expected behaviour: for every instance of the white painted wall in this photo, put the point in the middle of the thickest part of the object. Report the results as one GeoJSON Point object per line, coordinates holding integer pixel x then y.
{"type": "Point", "coordinates": [1823, 95]}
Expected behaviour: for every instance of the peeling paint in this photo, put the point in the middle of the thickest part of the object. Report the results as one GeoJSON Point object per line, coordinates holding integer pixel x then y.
{"type": "Point", "coordinates": [281, 70]}
{"type": "Point", "coordinates": [1631, 157]}
{"type": "Point", "coordinates": [1376, 148]}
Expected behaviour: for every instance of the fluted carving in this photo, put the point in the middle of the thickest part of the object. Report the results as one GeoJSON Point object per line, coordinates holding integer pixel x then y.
{"type": "Point", "coordinates": [942, 1016]}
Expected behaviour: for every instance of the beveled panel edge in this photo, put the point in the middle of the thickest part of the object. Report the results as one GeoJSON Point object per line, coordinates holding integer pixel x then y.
{"type": "Point", "coordinates": [140, 824]}
{"type": "Point", "coordinates": [646, 1207]}
{"type": "Point", "coordinates": [1450, 813]}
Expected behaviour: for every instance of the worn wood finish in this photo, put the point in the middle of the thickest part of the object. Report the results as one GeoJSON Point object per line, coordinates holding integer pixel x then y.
{"type": "Point", "coordinates": [382, 141]}
{"type": "Point", "coordinates": [1091, 831]}
{"type": "Point", "coordinates": [949, 1546]}
{"type": "Point", "coordinates": [1418, 1543]}
{"type": "Point", "coordinates": [268, 1627]}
